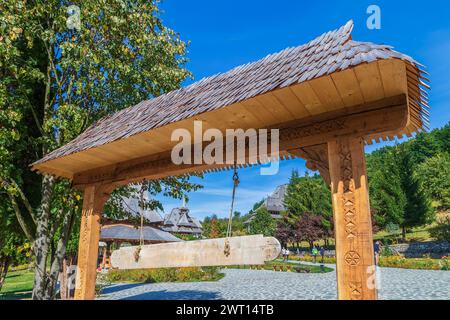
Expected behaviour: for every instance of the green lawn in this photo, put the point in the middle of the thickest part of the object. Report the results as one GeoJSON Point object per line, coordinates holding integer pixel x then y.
{"type": "Point", "coordinates": [415, 234]}
{"type": "Point", "coordinates": [18, 285]}
{"type": "Point", "coordinates": [279, 265]}
{"type": "Point", "coordinates": [419, 234]}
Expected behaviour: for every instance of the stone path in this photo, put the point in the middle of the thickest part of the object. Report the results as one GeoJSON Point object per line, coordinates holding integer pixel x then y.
{"type": "Point", "coordinates": [264, 284]}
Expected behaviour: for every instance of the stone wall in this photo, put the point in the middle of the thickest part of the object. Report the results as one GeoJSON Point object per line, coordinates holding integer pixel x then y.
{"type": "Point", "coordinates": [435, 249]}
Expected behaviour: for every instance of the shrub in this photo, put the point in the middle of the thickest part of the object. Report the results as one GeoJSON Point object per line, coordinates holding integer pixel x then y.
{"type": "Point", "coordinates": [164, 275]}
{"type": "Point", "coordinates": [310, 258]}
{"type": "Point", "coordinates": [101, 282]}
{"type": "Point", "coordinates": [414, 263]}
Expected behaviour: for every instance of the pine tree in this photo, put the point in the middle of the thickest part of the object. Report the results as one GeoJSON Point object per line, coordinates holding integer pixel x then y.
{"type": "Point", "coordinates": [387, 197]}
{"type": "Point", "coordinates": [308, 194]}
{"type": "Point", "coordinates": [418, 210]}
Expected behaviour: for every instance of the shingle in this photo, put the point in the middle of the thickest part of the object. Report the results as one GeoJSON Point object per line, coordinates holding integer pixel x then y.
{"type": "Point", "coordinates": [332, 51]}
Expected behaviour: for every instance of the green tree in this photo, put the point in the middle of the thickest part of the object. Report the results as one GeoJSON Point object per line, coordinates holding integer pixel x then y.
{"type": "Point", "coordinates": [14, 248]}
{"type": "Point", "coordinates": [434, 174]}
{"type": "Point", "coordinates": [427, 144]}
{"type": "Point", "coordinates": [308, 194]}
{"type": "Point", "coordinates": [263, 223]}
{"type": "Point", "coordinates": [418, 209]}
{"type": "Point", "coordinates": [396, 193]}
{"type": "Point", "coordinates": [214, 227]}
{"type": "Point", "coordinates": [387, 197]}
{"type": "Point", "coordinates": [54, 82]}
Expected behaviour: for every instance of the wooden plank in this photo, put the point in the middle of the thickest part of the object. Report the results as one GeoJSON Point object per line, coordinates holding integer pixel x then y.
{"type": "Point", "coordinates": [393, 76]}
{"type": "Point", "coordinates": [291, 102]}
{"type": "Point", "coordinates": [369, 79]}
{"type": "Point", "coordinates": [327, 93]}
{"type": "Point", "coordinates": [352, 220]}
{"type": "Point", "coordinates": [388, 119]}
{"type": "Point", "coordinates": [348, 87]}
{"type": "Point", "coordinates": [244, 250]}
{"type": "Point", "coordinates": [257, 109]}
{"type": "Point", "coordinates": [271, 102]}
{"type": "Point", "coordinates": [308, 97]}
{"type": "Point", "coordinates": [272, 105]}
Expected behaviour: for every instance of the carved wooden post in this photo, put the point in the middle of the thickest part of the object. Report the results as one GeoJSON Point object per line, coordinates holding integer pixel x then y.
{"type": "Point", "coordinates": [95, 197]}
{"type": "Point", "coordinates": [352, 220]}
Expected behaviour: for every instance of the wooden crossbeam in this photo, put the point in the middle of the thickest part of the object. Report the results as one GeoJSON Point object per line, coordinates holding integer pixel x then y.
{"type": "Point", "coordinates": [385, 116]}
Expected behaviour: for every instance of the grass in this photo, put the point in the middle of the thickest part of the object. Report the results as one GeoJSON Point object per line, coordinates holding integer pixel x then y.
{"type": "Point", "coordinates": [18, 285]}
{"type": "Point", "coordinates": [415, 234]}
{"type": "Point", "coordinates": [418, 234]}
{"type": "Point", "coordinates": [278, 265]}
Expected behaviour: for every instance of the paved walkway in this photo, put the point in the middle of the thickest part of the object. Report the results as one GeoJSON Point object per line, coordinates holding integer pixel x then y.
{"type": "Point", "coordinates": [264, 284]}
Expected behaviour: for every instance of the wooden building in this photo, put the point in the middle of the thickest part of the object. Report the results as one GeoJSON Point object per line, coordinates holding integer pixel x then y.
{"type": "Point", "coordinates": [180, 221]}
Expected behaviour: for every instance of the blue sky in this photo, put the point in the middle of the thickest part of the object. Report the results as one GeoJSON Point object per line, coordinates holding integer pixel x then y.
{"type": "Point", "coordinates": [225, 34]}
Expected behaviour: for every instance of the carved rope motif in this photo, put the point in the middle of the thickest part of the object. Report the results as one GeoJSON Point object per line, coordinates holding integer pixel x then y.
{"type": "Point", "coordinates": [355, 290]}
{"type": "Point", "coordinates": [348, 197]}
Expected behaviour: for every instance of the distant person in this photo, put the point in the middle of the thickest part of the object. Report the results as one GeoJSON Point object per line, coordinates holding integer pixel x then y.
{"type": "Point", "coordinates": [298, 252]}
{"type": "Point", "coordinates": [287, 254]}
{"type": "Point", "coordinates": [322, 253]}
{"type": "Point", "coordinates": [377, 251]}
{"type": "Point", "coordinates": [314, 252]}
{"type": "Point", "coordinates": [283, 253]}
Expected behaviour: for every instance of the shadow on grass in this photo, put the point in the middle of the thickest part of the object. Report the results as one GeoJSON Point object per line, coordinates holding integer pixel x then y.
{"type": "Point", "coordinates": [15, 295]}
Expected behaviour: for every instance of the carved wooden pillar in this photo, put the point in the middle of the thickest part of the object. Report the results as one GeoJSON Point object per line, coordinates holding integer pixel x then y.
{"type": "Point", "coordinates": [95, 197]}
{"type": "Point", "coordinates": [352, 220]}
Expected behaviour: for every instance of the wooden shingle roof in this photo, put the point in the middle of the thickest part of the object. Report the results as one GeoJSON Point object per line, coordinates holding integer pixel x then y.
{"type": "Point", "coordinates": [124, 232]}
{"type": "Point", "coordinates": [329, 53]}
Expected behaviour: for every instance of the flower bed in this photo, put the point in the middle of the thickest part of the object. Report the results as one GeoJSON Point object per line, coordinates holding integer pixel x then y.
{"type": "Point", "coordinates": [164, 275]}
{"type": "Point", "coordinates": [394, 261]}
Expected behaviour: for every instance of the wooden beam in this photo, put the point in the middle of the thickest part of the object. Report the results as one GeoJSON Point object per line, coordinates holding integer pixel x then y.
{"type": "Point", "coordinates": [248, 250]}
{"type": "Point", "coordinates": [352, 219]}
{"type": "Point", "coordinates": [95, 197]}
{"type": "Point", "coordinates": [316, 159]}
{"type": "Point", "coordinates": [382, 117]}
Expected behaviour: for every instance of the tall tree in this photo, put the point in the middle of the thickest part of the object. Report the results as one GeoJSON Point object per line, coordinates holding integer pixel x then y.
{"type": "Point", "coordinates": [63, 65]}
{"type": "Point", "coordinates": [397, 195]}
{"type": "Point", "coordinates": [308, 194]}
{"type": "Point", "coordinates": [434, 174]}
{"type": "Point", "coordinates": [387, 197]}
{"type": "Point", "coordinates": [418, 209]}
{"type": "Point", "coordinates": [309, 228]}
{"type": "Point", "coordinates": [284, 232]}
{"type": "Point", "coordinates": [263, 223]}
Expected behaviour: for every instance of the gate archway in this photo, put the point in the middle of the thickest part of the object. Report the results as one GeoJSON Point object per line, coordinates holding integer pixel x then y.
{"type": "Point", "coordinates": [328, 97]}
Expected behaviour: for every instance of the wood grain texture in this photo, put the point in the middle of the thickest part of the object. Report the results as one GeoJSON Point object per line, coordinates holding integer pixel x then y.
{"type": "Point", "coordinates": [95, 197]}
{"type": "Point", "coordinates": [352, 220]}
{"type": "Point", "coordinates": [244, 250]}
{"type": "Point", "coordinates": [383, 116]}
